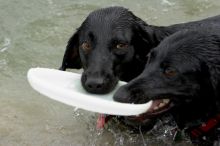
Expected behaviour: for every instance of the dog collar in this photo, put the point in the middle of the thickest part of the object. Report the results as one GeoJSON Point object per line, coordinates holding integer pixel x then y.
{"type": "Point", "coordinates": [203, 130]}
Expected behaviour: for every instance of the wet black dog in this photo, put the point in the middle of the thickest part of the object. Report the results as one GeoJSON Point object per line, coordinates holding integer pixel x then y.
{"type": "Point", "coordinates": [182, 77]}
{"type": "Point", "coordinates": [112, 43]}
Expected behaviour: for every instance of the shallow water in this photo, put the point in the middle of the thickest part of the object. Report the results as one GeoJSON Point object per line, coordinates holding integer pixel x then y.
{"type": "Point", "coordinates": [34, 33]}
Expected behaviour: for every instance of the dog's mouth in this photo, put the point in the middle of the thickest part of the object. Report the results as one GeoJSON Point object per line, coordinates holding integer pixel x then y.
{"type": "Point", "coordinates": [158, 107]}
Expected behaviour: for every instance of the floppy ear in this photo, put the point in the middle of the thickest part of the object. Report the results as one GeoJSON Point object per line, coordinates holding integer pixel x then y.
{"type": "Point", "coordinates": [143, 39]}
{"type": "Point", "coordinates": [71, 57]}
{"type": "Point", "coordinates": [211, 78]}
{"type": "Point", "coordinates": [215, 81]}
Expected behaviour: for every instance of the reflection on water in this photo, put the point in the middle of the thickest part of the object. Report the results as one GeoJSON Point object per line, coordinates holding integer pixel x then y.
{"type": "Point", "coordinates": [34, 33]}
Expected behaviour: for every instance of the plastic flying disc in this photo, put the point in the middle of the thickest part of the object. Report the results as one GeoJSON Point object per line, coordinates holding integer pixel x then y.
{"type": "Point", "coordinates": [66, 87]}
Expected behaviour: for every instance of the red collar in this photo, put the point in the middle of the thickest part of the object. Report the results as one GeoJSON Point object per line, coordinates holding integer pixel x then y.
{"type": "Point", "coordinates": [204, 128]}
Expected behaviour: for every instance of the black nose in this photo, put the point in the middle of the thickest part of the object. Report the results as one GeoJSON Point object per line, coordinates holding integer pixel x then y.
{"type": "Point", "coordinates": [98, 84]}
{"type": "Point", "coordinates": [122, 95]}
{"type": "Point", "coordinates": [94, 83]}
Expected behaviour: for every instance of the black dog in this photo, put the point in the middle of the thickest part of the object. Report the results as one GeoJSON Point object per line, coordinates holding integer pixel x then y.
{"type": "Point", "coordinates": [182, 77]}
{"type": "Point", "coordinates": [112, 43]}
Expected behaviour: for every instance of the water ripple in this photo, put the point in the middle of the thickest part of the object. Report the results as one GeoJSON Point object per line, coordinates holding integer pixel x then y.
{"type": "Point", "coordinates": [2, 63]}
{"type": "Point", "coordinates": [5, 45]}
{"type": "Point", "coordinates": [166, 2]}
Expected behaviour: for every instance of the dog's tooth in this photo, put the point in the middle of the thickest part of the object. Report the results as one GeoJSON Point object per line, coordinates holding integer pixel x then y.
{"type": "Point", "coordinates": [166, 100]}
{"type": "Point", "coordinates": [156, 108]}
{"type": "Point", "coordinates": [162, 104]}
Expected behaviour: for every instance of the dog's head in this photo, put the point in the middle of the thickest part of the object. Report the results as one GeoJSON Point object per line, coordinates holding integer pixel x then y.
{"type": "Point", "coordinates": [109, 45]}
{"type": "Point", "coordinates": [179, 75]}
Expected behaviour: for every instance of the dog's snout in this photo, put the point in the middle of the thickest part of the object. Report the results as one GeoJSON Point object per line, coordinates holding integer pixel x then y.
{"type": "Point", "coordinates": [122, 95]}
{"type": "Point", "coordinates": [94, 83]}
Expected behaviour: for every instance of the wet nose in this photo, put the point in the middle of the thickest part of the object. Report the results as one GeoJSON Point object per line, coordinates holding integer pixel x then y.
{"type": "Point", "coordinates": [98, 83]}
{"type": "Point", "coordinates": [122, 95]}
{"type": "Point", "coordinates": [94, 84]}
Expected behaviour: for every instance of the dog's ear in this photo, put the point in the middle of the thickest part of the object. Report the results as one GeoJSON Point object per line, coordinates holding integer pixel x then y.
{"type": "Point", "coordinates": [209, 78]}
{"type": "Point", "coordinates": [71, 58]}
{"type": "Point", "coordinates": [143, 39]}
{"type": "Point", "coordinates": [212, 85]}
{"type": "Point", "coordinates": [214, 78]}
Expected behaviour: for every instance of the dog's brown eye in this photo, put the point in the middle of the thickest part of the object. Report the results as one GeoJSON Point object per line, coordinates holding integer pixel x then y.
{"type": "Point", "coordinates": [86, 47]}
{"type": "Point", "coordinates": [121, 46]}
{"type": "Point", "coordinates": [170, 72]}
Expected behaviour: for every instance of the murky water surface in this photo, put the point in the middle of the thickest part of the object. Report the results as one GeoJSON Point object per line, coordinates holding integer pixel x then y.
{"type": "Point", "coordinates": [34, 33]}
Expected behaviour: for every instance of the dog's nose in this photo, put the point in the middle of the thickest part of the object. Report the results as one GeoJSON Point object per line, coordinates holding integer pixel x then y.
{"type": "Point", "coordinates": [122, 95]}
{"type": "Point", "coordinates": [98, 84]}
{"type": "Point", "coordinates": [94, 84]}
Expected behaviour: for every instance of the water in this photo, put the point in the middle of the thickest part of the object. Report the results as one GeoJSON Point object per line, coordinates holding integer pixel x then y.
{"type": "Point", "coordinates": [34, 33]}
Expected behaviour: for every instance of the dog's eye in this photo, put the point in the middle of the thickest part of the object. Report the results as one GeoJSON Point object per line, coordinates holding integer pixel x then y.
{"type": "Point", "coordinates": [121, 46]}
{"type": "Point", "coordinates": [170, 72]}
{"type": "Point", "coordinates": [86, 47]}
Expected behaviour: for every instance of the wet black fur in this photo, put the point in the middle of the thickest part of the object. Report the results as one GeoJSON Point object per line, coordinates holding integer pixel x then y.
{"type": "Point", "coordinates": [105, 64]}
{"type": "Point", "coordinates": [195, 88]}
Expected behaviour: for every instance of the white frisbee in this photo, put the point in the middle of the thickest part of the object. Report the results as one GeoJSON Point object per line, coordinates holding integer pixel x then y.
{"type": "Point", "coordinates": [66, 87]}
